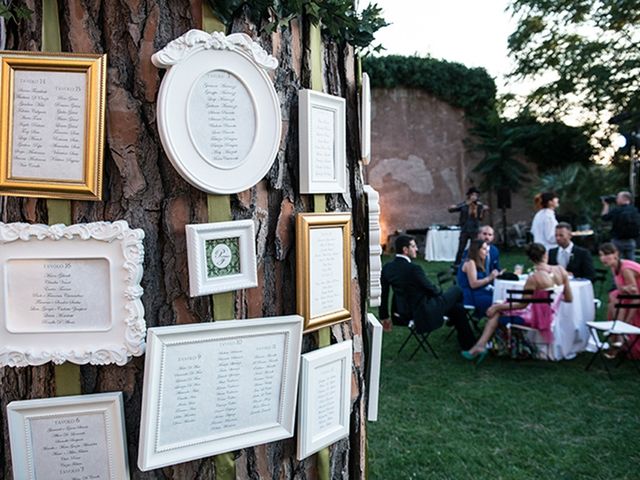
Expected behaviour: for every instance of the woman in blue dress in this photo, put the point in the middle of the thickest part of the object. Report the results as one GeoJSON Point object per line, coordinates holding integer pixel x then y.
{"type": "Point", "coordinates": [474, 280]}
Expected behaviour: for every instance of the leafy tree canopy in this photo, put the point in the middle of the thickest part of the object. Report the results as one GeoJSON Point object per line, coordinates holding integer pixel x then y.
{"type": "Point", "coordinates": [550, 144]}
{"type": "Point", "coordinates": [588, 49]}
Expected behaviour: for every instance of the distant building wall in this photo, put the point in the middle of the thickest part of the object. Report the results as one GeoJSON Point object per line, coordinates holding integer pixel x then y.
{"type": "Point", "coordinates": [420, 164]}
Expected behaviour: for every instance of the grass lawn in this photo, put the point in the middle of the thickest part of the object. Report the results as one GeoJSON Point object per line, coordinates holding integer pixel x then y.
{"type": "Point", "coordinates": [506, 419]}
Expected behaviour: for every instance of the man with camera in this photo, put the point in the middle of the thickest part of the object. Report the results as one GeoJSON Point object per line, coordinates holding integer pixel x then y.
{"type": "Point", "coordinates": [625, 222]}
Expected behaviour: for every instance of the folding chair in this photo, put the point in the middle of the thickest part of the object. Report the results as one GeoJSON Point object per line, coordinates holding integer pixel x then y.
{"type": "Point", "coordinates": [598, 280]}
{"type": "Point", "coordinates": [523, 296]}
{"type": "Point", "coordinates": [421, 338]}
{"type": "Point", "coordinates": [444, 277]}
{"type": "Point", "coordinates": [615, 327]}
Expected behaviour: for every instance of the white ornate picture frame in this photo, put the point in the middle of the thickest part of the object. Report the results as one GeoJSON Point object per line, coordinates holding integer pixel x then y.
{"type": "Point", "coordinates": [323, 268]}
{"type": "Point", "coordinates": [365, 120]}
{"type": "Point", "coordinates": [216, 387]}
{"type": "Point", "coordinates": [70, 293]}
{"type": "Point", "coordinates": [80, 436]}
{"type": "Point", "coordinates": [325, 398]}
{"type": "Point", "coordinates": [323, 152]}
{"type": "Point", "coordinates": [375, 249]}
{"type": "Point", "coordinates": [218, 112]}
{"type": "Point", "coordinates": [374, 358]}
{"type": "Point", "coordinates": [221, 256]}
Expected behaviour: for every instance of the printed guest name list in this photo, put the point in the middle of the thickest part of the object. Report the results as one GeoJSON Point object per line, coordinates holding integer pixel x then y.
{"type": "Point", "coordinates": [48, 125]}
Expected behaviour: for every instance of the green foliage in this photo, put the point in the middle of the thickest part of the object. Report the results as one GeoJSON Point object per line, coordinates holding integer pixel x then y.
{"type": "Point", "coordinates": [587, 48]}
{"type": "Point", "coordinates": [550, 144]}
{"type": "Point", "coordinates": [579, 188]}
{"type": "Point", "coordinates": [500, 167]}
{"type": "Point", "coordinates": [12, 12]}
{"type": "Point", "coordinates": [338, 18]}
{"type": "Point", "coordinates": [471, 89]}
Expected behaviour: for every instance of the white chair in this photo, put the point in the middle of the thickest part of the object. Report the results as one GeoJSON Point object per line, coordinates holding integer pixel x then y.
{"type": "Point", "coordinates": [615, 327]}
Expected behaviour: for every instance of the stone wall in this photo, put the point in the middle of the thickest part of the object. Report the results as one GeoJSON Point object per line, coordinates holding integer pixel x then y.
{"type": "Point", "coordinates": [420, 164]}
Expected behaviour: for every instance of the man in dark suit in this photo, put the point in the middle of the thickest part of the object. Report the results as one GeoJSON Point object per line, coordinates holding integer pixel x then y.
{"type": "Point", "coordinates": [415, 297]}
{"type": "Point", "coordinates": [576, 260]}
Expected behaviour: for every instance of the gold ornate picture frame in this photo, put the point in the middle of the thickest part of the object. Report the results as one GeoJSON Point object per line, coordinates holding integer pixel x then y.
{"type": "Point", "coordinates": [323, 268]}
{"type": "Point", "coordinates": [52, 124]}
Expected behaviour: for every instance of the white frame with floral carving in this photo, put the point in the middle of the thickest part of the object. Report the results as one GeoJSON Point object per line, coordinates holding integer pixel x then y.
{"type": "Point", "coordinates": [374, 357]}
{"type": "Point", "coordinates": [311, 105]}
{"type": "Point", "coordinates": [50, 275]}
{"type": "Point", "coordinates": [21, 414]}
{"type": "Point", "coordinates": [311, 436]}
{"type": "Point", "coordinates": [240, 234]}
{"type": "Point", "coordinates": [189, 59]}
{"type": "Point", "coordinates": [198, 348]}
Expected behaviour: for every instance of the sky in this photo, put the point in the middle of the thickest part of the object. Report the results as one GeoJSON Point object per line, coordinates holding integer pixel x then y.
{"type": "Point", "coordinates": [471, 32]}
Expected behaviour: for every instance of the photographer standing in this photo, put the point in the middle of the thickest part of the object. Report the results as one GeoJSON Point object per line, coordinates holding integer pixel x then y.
{"type": "Point", "coordinates": [625, 223]}
{"type": "Point", "coordinates": [471, 212]}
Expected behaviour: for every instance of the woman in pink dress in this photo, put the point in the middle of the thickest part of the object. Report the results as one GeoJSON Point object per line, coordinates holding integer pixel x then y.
{"type": "Point", "coordinates": [626, 274]}
{"type": "Point", "coordinates": [536, 315]}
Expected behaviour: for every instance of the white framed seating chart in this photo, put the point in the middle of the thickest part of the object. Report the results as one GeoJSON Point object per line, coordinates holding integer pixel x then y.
{"type": "Point", "coordinates": [375, 249]}
{"type": "Point", "coordinates": [218, 112]}
{"type": "Point", "coordinates": [323, 151]}
{"type": "Point", "coordinates": [323, 268]}
{"type": "Point", "coordinates": [217, 387]}
{"type": "Point", "coordinates": [325, 398]}
{"type": "Point", "coordinates": [74, 437]}
{"type": "Point", "coordinates": [365, 120]}
{"type": "Point", "coordinates": [221, 257]}
{"type": "Point", "coordinates": [71, 293]}
{"type": "Point", "coordinates": [374, 358]}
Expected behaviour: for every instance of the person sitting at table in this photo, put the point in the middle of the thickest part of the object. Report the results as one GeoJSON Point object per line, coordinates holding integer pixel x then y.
{"type": "Point", "coordinates": [416, 298]}
{"type": "Point", "coordinates": [474, 279]}
{"type": "Point", "coordinates": [626, 275]}
{"type": "Point", "coordinates": [540, 281]}
{"type": "Point", "coordinates": [493, 257]}
{"type": "Point", "coordinates": [576, 260]}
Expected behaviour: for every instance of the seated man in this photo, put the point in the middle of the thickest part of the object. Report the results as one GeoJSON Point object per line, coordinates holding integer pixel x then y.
{"type": "Point", "coordinates": [576, 260]}
{"type": "Point", "coordinates": [492, 261]}
{"type": "Point", "coordinates": [415, 297]}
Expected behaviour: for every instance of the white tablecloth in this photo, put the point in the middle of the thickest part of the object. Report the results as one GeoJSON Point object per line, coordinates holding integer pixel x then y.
{"type": "Point", "coordinates": [570, 332]}
{"type": "Point", "coordinates": [442, 245]}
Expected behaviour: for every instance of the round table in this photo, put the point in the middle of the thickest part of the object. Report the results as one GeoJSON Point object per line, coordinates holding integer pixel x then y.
{"type": "Point", "coordinates": [442, 245]}
{"type": "Point", "coordinates": [569, 328]}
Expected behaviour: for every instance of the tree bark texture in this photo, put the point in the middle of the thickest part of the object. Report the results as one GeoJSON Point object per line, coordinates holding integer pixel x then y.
{"type": "Point", "coordinates": [142, 187]}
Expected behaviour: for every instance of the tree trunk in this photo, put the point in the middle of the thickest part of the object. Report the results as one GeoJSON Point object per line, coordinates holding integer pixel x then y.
{"type": "Point", "coordinates": [142, 187]}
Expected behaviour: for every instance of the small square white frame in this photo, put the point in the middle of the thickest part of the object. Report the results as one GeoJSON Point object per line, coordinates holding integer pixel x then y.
{"type": "Point", "coordinates": [374, 357]}
{"type": "Point", "coordinates": [113, 244]}
{"type": "Point", "coordinates": [202, 339]}
{"type": "Point", "coordinates": [310, 438]}
{"type": "Point", "coordinates": [309, 101]}
{"type": "Point", "coordinates": [20, 414]}
{"type": "Point", "coordinates": [197, 236]}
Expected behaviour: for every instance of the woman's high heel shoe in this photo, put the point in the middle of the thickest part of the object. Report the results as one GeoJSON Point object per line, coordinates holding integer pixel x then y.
{"type": "Point", "coordinates": [467, 355]}
{"type": "Point", "coordinates": [482, 355]}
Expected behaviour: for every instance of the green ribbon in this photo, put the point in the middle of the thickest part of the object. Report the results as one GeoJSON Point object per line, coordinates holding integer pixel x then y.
{"type": "Point", "coordinates": [67, 375]}
{"type": "Point", "coordinates": [219, 210]}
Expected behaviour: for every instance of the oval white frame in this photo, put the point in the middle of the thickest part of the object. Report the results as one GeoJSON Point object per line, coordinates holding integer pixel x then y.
{"type": "Point", "coordinates": [188, 58]}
